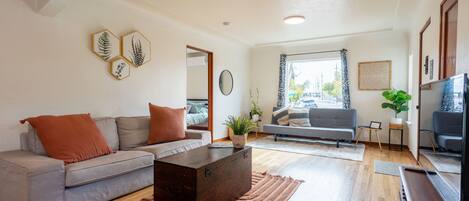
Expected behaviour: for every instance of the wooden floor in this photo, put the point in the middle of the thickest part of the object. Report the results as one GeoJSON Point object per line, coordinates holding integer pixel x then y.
{"type": "Point", "coordinates": [327, 178]}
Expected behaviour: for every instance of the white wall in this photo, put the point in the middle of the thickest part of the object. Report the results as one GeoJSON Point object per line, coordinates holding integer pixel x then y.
{"type": "Point", "coordinates": [424, 11]}
{"type": "Point", "coordinates": [46, 66]}
{"type": "Point", "coordinates": [197, 84]}
{"type": "Point", "coordinates": [369, 47]}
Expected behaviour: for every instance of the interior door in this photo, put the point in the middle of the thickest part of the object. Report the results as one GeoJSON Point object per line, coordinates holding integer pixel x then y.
{"type": "Point", "coordinates": [448, 40]}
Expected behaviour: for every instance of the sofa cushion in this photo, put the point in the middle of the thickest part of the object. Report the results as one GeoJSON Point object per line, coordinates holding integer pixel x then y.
{"type": "Point", "coordinates": [108, 128]}
{"type": "Point", "coordinates": [33, 143]}
{"type": "Point", "coordinates": [107, 166]}
{"type": "Point", "coordinates": [170, 148]}
{"type": "Point", "coordinates": [333, 118]}
{"type": "Point", "coordinates": [106, 125]}
{"type": "Point", "coordinates": [325, 133]}
{"type": "Point", "coordinates": [133, 131]}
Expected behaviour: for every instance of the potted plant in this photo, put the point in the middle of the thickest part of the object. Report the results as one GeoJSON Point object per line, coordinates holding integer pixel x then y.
{"type": "Point", "coordinates": [397, 100]}
{"type": "Point", "coordinates": [256, 112]}
{"type": "Point", "coordinates": [240, 126]}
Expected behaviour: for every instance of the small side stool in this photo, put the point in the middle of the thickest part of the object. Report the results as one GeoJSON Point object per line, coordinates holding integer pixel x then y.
{"type": "Point", "coordinates": [370, 130]}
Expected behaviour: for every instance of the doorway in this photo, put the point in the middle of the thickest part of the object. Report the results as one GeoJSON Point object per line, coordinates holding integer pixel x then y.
{"type": "Point", "coordinates": [199, 68]}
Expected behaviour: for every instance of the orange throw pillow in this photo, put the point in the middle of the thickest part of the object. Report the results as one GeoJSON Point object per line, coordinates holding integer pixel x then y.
{"type": "Point", "coordinates": [71, 138]}
{"type": "Point", "coordinates": [166, 124]}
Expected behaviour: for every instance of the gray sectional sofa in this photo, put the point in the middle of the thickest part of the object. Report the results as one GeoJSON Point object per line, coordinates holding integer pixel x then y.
{"type": "Point", "coordinates": [336, 124]}
{"type": "Point", "coordinates": [30, 175]}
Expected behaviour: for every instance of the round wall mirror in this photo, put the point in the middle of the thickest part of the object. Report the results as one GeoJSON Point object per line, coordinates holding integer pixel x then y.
{"type": "Point", "coordinates": [226, 82]}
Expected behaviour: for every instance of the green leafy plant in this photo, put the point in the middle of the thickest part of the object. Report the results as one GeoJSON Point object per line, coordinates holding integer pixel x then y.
{"type": "Point", "coordinates": [138, 57]}
{"type": "Point", "coordinates": [104, 46]}
{"type": "Point", "coordinates": [255, 108]}
{"type": "Point", "coordinates": [240, 125]}
{"type": "Point", "coordinates": [397, 101]}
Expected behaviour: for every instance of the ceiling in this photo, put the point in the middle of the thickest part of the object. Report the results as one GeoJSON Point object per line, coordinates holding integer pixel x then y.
{"type": "Point", "coordinates": [259, 22]}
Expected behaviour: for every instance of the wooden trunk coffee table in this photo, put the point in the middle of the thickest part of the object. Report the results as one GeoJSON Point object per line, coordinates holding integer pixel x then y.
{"type": "Point", "coordinates": [204, 174]}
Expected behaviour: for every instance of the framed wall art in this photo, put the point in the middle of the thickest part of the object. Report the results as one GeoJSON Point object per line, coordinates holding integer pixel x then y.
{"type": "Point", "coordinates": [120, 68]}
{"type": "Point", "coordinates": [136, 48]}
{"type": "Point", "coordinates": [374, 75]}
{"type": "Point", "coordinates": [105, 45]}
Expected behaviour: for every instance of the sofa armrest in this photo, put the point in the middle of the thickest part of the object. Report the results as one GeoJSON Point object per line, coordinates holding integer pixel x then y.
{"type": "Point", "coordinates": [26, 176]}
{"type": "Point", "coordinates": [205, 136]}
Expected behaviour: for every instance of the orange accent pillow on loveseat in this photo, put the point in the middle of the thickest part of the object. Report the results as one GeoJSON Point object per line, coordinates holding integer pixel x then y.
{"type": "Point", "coordinates": [166, 124]}
{"type": "Point", "coordinates": [71, 138]}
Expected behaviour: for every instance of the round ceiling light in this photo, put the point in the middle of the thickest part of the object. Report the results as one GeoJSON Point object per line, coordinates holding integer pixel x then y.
{"type": "Point", "coordinates": [294, 19]}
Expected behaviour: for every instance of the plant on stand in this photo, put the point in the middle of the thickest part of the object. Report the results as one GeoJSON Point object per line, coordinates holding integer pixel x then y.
{"type": "Point", "coordinates": [397, 100]}
{"type": "Point", "coordinates": [256, 112]}
{"type": "Point", "coordinates": [240, 126]}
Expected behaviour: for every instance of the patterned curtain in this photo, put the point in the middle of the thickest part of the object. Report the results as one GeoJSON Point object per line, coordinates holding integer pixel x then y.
{"type": "Point", "coordinates": [282, 84]}
{"type": "Point", "coordinates": [447, 102]}
{"type": "Point", "coordinates": [345, 80]}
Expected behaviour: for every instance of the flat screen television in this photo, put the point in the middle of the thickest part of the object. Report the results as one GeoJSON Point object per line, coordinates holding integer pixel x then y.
{"type": "Point", "coordinates": [443, 127]}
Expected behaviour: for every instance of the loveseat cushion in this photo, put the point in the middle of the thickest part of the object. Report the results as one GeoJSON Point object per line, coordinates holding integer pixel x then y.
{"type": "Point", "coordinates": [171, 148]}
{"type": "Point", "coordinates": [107, 166]}
{"type": "Point", "coordinates": [133, 131]}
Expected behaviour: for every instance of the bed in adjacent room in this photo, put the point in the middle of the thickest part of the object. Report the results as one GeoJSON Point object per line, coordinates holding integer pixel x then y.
{"type": "Point", "coordinates": [197, 114]}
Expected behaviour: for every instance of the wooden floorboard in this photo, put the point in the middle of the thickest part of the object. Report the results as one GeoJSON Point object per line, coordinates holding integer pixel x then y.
{"type": "Point", "coordinates": [327, 178]}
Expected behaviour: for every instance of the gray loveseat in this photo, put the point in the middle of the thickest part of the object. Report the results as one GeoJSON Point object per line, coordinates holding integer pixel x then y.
{"type": "Point", "coordinates": [336, 124]}
{"type": "Point", "coordinates": [29, 175]}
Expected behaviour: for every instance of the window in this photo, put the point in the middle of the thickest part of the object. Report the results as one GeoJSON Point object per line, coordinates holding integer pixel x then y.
{"type": "Point", "coordinates": [315, 83]}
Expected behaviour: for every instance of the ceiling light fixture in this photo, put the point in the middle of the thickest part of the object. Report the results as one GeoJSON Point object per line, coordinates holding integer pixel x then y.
{"type": "Point", "coordinates": [294, 19]}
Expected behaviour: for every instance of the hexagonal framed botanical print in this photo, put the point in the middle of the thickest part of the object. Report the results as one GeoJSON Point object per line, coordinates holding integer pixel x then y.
{"type": "Point", "coordinates": [105, 45]}
{"type": "Point", "coordinates": [120, 68]}
{"type": "Point", "coordinates": [136, 48]}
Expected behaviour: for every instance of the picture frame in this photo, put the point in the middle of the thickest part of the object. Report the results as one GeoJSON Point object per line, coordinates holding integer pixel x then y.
{"type": "Point", "coordinates": [374, 75]}
{"type": "Point", "coordinates": [375, 124]}
{"type": "Point", "coordinates": [119, 68]}
{"type": "Point", "coordinates": [105, 45]}
{"type": "Point", "coordinates": [136, 48]}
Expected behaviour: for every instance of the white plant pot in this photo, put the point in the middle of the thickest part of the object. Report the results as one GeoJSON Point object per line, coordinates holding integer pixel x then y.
{"type": "Point", "coordinates": [255, 118]}
{"type": "Point", "coordinates": [397, 121]}
{"type": "Point", "coordinates": [239, 141]}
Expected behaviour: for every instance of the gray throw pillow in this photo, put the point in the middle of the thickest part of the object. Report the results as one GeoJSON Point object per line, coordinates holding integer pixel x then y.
{"type": "Point", "coordinates": [299, 117]}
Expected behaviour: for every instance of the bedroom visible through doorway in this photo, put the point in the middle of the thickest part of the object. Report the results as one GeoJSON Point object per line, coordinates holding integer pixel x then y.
{"type": "Point", "coordinates": [198, 93]}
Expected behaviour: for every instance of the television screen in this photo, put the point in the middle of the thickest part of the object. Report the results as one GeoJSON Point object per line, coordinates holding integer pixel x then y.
{"type": "Point", "coordinates": [442, 131]}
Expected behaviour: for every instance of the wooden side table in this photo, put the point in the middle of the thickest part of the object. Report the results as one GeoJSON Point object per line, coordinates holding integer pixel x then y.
{"type": "Point", "coordinates": [258, 126]}
{"type": "Point", "coordinates": [398, 127]}
{"type": "Point", "coordinates": [370, 130]}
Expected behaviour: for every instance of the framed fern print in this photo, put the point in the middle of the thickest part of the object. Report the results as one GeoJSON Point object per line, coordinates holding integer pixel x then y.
{"type": "Point", "coordinates": [136, 48]}
{"type": "Point", "coordinates": [105, 45]}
